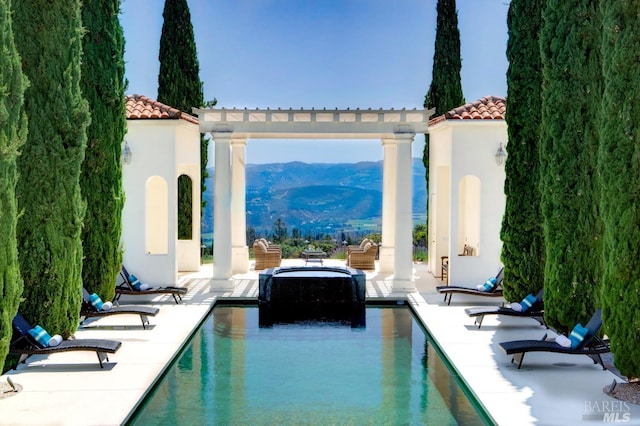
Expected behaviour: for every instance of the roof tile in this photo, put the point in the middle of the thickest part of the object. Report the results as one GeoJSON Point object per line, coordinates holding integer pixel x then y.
{"type": "Point", "coordinates": [487, 108]}
{"type": "Point", "coordinates": [140, 107]}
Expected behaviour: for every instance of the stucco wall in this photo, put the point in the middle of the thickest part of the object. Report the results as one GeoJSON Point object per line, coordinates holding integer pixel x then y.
{"type": "Point", "coordinates": [469, 147]}
{"type": "Point", "coordinates": [161, 150]}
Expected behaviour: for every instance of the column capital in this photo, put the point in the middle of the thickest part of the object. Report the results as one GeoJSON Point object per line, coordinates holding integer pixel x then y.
{"type": "Point", "coordinates": [404, 137]}
{"type": "Point", "coordinates": [238, 141]}
{"type": "Point", "coordinates": [222, 136]}
{"type": "Point", "coordinates": [398, 138]}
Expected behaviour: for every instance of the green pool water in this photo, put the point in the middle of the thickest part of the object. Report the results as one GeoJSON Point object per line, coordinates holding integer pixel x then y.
{"type": "Point", "coordinates": [236, 372]}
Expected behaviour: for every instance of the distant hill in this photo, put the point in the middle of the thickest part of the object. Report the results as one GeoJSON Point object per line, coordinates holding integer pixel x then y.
{"type": "Point", "coordinates": [317, 197]}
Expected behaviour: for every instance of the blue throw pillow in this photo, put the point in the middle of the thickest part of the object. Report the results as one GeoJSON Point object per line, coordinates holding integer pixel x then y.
{"type": "Point", "coordinates": [490, 284]}
{"type": "Point", "coordinates": [577, 335]}
{"type": "Point", "coordinates": [135, 283]}
{"type": "Point", "coordinates": [527, 302]}
{"type": "Point", "coordinates": [96, 301]}
{"type": "Point", "coordinates": [40, 335]}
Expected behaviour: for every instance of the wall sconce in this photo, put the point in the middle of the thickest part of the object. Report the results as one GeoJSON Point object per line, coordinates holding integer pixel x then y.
{"type": "Point", "coordinates": [126, 153]}
{"type": "Point", "coordinates": [501, 154]}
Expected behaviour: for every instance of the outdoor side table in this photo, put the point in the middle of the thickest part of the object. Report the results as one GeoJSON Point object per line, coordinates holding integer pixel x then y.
{"type": "Point", "coordinates": [314, 256]}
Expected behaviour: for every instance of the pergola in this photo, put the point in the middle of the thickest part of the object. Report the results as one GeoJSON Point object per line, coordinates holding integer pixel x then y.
{"type": "Point", "coordinates": [230, 130]}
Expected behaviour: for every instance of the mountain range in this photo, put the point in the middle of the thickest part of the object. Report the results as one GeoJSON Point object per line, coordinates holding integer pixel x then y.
{"type": "Point", "coordinates": [318, 197]}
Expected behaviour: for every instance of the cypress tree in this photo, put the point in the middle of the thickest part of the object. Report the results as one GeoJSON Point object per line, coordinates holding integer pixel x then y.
{"type": "Point", "coordinates": [13, 127]}
{"type": "Point", "coordinates": [445, 91]}
{"type": "Point", "coordinates": [521, 234]}
{"type": "Point", "coordinates": [48, 35]}
{"type": "Point", "coordinates": [571, 68]}
{"type": "Point", "coordinates": [620, 179]}
{"type": "Point", "coordinates": [101, 177]}
{"type": "Point", "coordinates": [179, 86]}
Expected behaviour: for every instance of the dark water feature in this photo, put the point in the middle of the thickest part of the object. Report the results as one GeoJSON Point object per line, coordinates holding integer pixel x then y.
{"type": "Point", "coordinates": [236, 371]}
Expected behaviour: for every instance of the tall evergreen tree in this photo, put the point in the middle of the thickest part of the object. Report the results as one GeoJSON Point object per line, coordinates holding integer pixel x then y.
{"type": "Point", "coordinates": [571, 68]}
{"type": "Point", "coordinates": [620, 178]}
{"type": "Point", "coordinates": [13, 128]}
{"type": "Point", "coordinates": [179, 86]}
{"type": "Point", "coordinates": [48, 35]}
{"type": "Point", "coordinates": [101, 178]}
{"type": "Point", "coordinates": [523, 241]}
{"type": "Point", "coordinates": [445, 91]}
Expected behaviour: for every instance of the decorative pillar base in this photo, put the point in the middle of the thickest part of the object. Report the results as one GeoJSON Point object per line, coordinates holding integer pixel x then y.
{"type": "Point", "coordinates": [218, 284]}
{"type": "Point", "coordinates": [240, 260]}
{"type": "Point", "coordinates": [400, 285]}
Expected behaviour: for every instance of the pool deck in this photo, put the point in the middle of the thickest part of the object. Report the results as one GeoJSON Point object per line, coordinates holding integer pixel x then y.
{"type": "Point", "coordinates": [550, 389]}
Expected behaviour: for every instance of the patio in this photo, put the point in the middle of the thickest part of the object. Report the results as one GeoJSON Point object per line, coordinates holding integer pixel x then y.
{"type": "Point", "coordinates": [550, 389]}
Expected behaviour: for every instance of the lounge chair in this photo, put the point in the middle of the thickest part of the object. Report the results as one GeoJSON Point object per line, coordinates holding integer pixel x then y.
{"type": "Point", "coordinates": [536, 311]}
{"type": "Point", "coordinates": [266, 258]}
{"type": "Point", "coordinates": [450, 290]}
{"type": "Point", "coordinates": [127, 287]}
{"type": "Point", "coordinates": [358, 247]}
{"type": "Point", "coordinates": [24, 344]}
{"type": "Point", "coordinates": [591, 345]}
{"type": "Point", "coordinates": [364, 258]}
{"type": "Point", "coordinates": [88, 310]}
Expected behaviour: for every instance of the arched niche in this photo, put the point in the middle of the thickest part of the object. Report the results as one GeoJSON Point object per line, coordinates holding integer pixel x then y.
{"type": "Point", "coordinates": [469, 215]}
{"type": "Point", "coordinates": [156, 216]}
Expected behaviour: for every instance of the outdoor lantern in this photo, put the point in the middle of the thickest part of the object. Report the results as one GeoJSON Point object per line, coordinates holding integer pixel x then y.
{"type": "Point", "coordinates": [501, 154]}
{"type": "Point", "coordinates": [126, 153]}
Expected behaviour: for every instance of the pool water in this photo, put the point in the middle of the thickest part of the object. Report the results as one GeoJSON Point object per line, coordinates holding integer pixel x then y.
{"type": "Point", "coordinates": [236, 372]}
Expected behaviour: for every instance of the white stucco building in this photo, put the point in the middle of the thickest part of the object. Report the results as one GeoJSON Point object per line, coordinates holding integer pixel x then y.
{"type": "Point", "coordinates": [466, 189]}
{"type": "Point", "coordinates": [164, 148]}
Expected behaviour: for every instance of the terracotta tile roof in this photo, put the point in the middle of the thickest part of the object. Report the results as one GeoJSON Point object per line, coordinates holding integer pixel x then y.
{"type": "Point", "coordinates": [140, 108]}
{"type": "Point", "coordinates": [487, 108]}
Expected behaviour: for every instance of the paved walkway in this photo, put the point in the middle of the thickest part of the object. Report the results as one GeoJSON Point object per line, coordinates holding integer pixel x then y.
{"type": "Point", "coordinates": [550, 389]}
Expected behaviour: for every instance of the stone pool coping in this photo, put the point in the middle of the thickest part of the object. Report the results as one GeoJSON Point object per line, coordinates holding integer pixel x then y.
{"type": "Point", "coordinates": [70, 388]}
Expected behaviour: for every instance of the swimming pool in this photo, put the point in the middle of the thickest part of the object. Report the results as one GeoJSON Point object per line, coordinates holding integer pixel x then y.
{"type": "Point", "coordinates": [235, 371]}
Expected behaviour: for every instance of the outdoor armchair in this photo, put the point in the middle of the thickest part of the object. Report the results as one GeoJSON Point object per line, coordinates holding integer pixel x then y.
{"type": "Point", "coordinates": [265, 258]}
{"type": "Point", "coordinates": [364, 258]}
{"type": "Point", "coordinates": [354, 247]}
{"type": "Point", "coordinates": [271, 247]}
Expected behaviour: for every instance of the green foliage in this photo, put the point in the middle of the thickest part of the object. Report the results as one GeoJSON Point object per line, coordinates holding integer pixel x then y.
{"type": "Point", "coordinates": [445, 91]}
{"type": "Point", "coordinates": [101, 177]}
{"type": "Point", "coordinates": [521, 234]}
{"type": "Point", "coordinates": [570, 195]}
{"type": "Point", "coordinates": [48, 36]}
{"type": "Point", "coordinates": [179, 82]}
{"type": "Point", "coordinates": [185, 205]}
{"type": "Point", "coordinates": [13, 128]}
{"type": "Point", "coordinates": [279, 231]}
{"type": "Point", "coordinates": [620, 180]}
{"type": "Point", "coordinates": [420, 234]}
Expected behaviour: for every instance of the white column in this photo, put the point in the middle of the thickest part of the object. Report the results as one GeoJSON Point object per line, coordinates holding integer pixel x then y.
{"type": "Point", "coordinates": [389, 171]}
{"type": "Point", "coordinates": [222, 213]}
{"type": "Point", "coordinates": [403, 261]}
{"type": "Point", "coordinates": [239, 249]}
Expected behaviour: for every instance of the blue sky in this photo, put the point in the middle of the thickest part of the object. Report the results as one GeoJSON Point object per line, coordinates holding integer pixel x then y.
{"type": "Point", "coordinates": [320, 53]}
